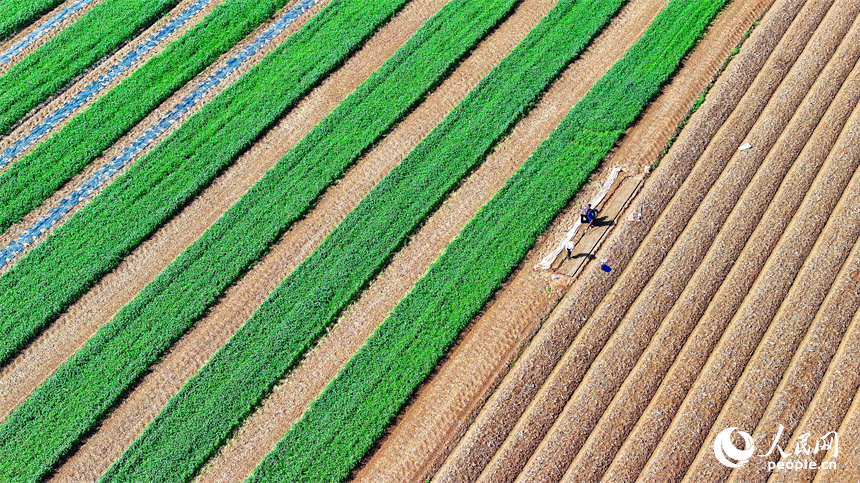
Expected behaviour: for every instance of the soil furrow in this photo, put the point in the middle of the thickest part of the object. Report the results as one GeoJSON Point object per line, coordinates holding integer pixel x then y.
{"type": "Point", "coordinates": [517, 389]}
{"type": "Point", "coordinates": [662, 407]}
{"type": "Point", "coordinates": [404, 455]}
{"type": "Point", "coordinates": [848, 465]}
{"type": "Point", "coordinates": [699, 409]}
{"type": "Point", "coordinates": [814, 365]}
{"type": "Point", "coordinates": [771, 358]}
{"type": "Point", "coordinates": [39, 115]}
{"type": "Point", "coordinates": [620, 353]}
{"type": "Point", "coordinates": [65, 336]}
{"type": "Point", "coordinates": [150, 120]}
{"type": "Point", "coordinates": [628, 404]}
{"type": "Point", "coordinates": [291, 397]}
{"type": "Point", "coordinates": [36, 35]}
{"type": "Point", "coordinates": [239, 303]}
{"type": "Point", "coordinates": [663, 286]}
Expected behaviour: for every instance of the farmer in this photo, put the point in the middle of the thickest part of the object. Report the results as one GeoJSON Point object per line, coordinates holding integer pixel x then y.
{"type": "Point", "coordinates": [591, 215]}
{"type": "Point", "coordinates": [569, 246]}
{"type": "Point", "coordinates": [583, 215]}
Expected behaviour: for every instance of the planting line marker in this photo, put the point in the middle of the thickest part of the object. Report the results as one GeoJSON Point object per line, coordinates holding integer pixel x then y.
{"type": "Point", "coordinates": [9, 154]}
{"type": "Point", "coordinates": [106, 172]}
{"type": "Point", "coordinates": [43, 29]}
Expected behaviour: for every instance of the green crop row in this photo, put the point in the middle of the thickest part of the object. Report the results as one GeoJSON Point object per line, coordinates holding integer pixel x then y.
{"type": "Point", "coordinates": [17, 14]}
{"type": "Point", "coordinates": [239, 375]}
{"type": "Point", "coordinates": [31, 180]}
{"type": "Point", "coordinates": [354, 410]}
{"type": "Point", "coordinates": [58, 271]}
{"type": "Point", "coordinates": [93, 242]}
{"type": "Point", "coordinates": [45, 71]}
{"type": "Point", "coordinates": [266, 211]}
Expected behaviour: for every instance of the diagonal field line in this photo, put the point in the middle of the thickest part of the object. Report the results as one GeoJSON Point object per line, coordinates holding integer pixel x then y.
{"type": "Point", "coordinates": [106, 172]}
{"type": "Point", "coordinates": [11, 153]}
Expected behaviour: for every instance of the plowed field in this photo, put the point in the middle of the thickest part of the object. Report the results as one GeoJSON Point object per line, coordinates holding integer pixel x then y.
{"type": "Point", "coordinates": [305, 240]}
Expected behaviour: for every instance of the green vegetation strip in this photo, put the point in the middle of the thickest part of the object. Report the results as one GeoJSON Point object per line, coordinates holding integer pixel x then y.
{"type": "Point", "coordinates": [356, 407]}
{"type": "Point", "coordinates": [53, 65]}
{"type": "Point", "coordinates": [233, 382]}
{"type": "Point", "coordinates": [31, 180]}
{"type": "Point", "coordinates": [94, 241]}
{"type": "Point", "coordinates": [58, 271]}
{"type": "Point", "coordinates": [17, 14]}
{"type": "Point", "coordinates": [89, 383]}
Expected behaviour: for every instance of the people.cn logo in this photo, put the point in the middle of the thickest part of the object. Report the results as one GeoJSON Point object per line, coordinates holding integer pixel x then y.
{"type": "Point", "coordinates": [723, 448]}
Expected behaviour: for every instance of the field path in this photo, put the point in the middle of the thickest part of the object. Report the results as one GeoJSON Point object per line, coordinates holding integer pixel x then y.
{"type": "Point", "coordinates": [41, 31]}
{"type": "Point", "coordinates": [42, 221]}
{"type": "Point", "coordinates": [50, 116]}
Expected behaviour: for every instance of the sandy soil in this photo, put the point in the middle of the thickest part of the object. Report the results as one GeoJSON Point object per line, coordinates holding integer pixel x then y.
{"type": "Point", "coordinates": [849, 437]}
{"type": "Point", "coordinates": [701, 405]}
{"type": "Point", "coordinates": [28, 220]}
{"type": "Point", "coordinates": [628, 403]}
{"type": "Point", "coordinates": [774, 353]}
{"type": "Point", "coordinates": [595, 388]}
{"type": "Point", "coordinates": [41, 112]}
{"type": "Point", "coordinates": [8, 43]}
{"type": "Point", "coordinates": [515, 392]}
{"type": "Point", "coordinates": [806, 370]}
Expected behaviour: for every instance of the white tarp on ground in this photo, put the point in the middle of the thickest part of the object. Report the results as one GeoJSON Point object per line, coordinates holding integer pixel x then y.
{"type": "Point", "coordinates": [546, 263]}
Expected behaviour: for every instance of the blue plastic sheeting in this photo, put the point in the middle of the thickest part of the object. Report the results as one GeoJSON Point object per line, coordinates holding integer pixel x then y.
{"type": "Point", "coordinates": [41, 30]}
{"type": "Point", "coordinates": [12, 152]}
{"type": "Point", "coordinates": [106, 172]}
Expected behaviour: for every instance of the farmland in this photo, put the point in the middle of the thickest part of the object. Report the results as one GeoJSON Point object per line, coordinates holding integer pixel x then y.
{"type": "Point", "coordinates": [296, 240]}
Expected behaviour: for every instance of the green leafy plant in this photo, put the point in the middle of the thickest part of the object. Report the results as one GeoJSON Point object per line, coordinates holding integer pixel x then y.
{"type": "Point", "coordinates": [17, 14]}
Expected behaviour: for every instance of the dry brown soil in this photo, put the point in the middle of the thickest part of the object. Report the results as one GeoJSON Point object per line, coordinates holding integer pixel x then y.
{"type": "Point", "coordinates": [476, 448]}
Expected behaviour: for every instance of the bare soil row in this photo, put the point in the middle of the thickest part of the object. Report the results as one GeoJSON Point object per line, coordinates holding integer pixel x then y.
{"type": "Point", "coordinates": [819, 360]}
{"type": "Point", "coordinates": [518, 389]}
{"type": "Point", "coordinates": [665, 345]}
{"type": "Point", "coordinates": [153, 118]}
{"type": "Point", "coordinates": [711, 388]}
{"type": "Point", "coordinates": [620, 353]}
{"type": "Point", "coordinates": [788, 327]}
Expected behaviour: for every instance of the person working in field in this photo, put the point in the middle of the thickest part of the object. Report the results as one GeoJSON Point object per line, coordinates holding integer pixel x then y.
{"type": "Point", "coordinates": [569, 247]}
{"type": "Point", "coordinates": [587, 216]}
